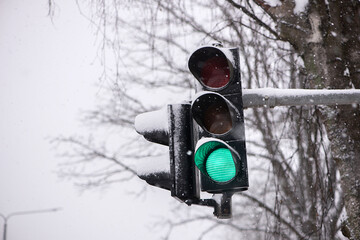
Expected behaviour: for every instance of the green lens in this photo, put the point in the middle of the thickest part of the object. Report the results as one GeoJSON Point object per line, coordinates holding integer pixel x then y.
{"type": "Point", "coordinates": [214, 159]}
{"type": "Point", "coordinates": [220, 165]}
{"type": "Point", "coordinates": [203, 152]}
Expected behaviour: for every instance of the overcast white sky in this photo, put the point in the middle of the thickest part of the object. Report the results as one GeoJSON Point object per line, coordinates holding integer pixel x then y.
{"type": "Point", "coordinates": [47, 75]}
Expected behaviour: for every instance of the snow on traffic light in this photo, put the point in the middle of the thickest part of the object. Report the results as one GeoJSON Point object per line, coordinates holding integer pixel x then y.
{"type": "Point", "coordinates": [170, 126]}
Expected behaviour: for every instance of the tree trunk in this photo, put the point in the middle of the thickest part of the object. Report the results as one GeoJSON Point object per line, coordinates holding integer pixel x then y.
{"type": "Point", "coordinates": [326, 36]}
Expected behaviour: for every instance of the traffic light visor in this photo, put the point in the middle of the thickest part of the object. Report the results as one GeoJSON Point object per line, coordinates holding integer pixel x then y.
{"type": "Point", "coordinates": [216, 159]}
{"type": "Point", "coordinates": [211, 67]}
{"type": "Point", "coordinates": [213, 113]}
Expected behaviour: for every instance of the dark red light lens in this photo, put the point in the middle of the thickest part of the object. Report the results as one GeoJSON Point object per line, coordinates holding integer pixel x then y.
{"type": "Point", "coordinates": [216, 72]}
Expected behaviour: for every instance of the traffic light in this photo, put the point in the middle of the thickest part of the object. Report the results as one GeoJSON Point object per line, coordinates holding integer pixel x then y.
{"type": "Point", "coordinates": [220, 151]}
{"type": "Point", "coordinates": [170, 126]}
{"type": "Point", "coordinates": [207, 134]}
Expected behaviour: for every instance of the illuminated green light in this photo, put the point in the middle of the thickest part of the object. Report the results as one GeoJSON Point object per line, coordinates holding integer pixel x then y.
{"type": "Point", "coordinates": [220, 165]}
{"type": "Point", "coordinates": [215, 160]}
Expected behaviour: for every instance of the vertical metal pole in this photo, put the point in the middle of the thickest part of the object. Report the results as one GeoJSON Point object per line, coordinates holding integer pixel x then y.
{"type": "Point", "coordinates": [224, 207]}
{"type": "Point", "coordinates": [5, 229]}
{"type": "Point", "coordinates": [182, 169]}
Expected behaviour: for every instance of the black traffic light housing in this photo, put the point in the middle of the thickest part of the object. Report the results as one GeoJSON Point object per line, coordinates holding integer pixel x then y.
{"type": "Point", "coordinates": [208, 133]}
{"type": "Point", "coordinates": [172, 126]}
{"type": "Point", "coordinates": [218, 113]}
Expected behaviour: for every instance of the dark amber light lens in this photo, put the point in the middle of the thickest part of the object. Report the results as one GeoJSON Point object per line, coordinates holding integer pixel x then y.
{"type": "Point", "coordinates": [216, 72]}
{"type": "Point", "coordinates": [217, 118]}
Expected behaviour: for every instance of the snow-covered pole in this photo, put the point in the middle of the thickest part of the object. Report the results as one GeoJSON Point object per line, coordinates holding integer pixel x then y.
{"type": "Point", "coordinates": [184, 183]}
{"type": "Point", "coordinates": [273, 97]}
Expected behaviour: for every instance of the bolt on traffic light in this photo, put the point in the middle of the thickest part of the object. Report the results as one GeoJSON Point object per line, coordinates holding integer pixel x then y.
{"type": "Point", "coordinates": [220, 152]}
